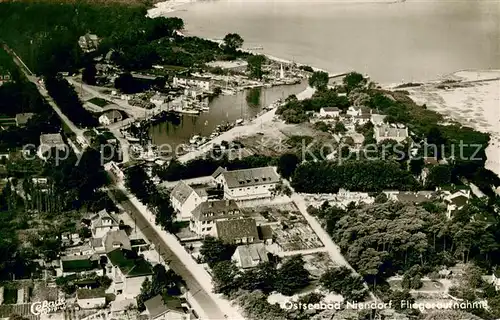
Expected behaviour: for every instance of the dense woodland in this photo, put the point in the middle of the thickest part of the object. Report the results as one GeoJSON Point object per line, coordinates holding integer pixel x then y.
{"type": "Point", "coordinates": [390, 238]}
{"type": "Point", "coordinates": [46, 34]}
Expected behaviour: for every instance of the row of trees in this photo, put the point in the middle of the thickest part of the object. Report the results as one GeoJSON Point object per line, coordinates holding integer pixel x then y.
{"type": "Point", "coordinates": [366, 176]}
{"type": "Point", "coordinates": [206, 166]}
{"type": "Point", "coordinates": [67, 99]}
{"type": "Point", "coordinates": [139, 183]}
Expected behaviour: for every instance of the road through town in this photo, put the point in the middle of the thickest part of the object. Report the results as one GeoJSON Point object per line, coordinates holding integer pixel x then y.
{"type": "Point", "coordinates": [214, 307]}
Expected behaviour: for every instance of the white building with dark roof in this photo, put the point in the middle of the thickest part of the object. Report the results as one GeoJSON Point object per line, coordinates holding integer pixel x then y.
{"type": "Point", "coordinates": [110, 117]}
{"type": "Point", "coordinates": [157, 308]}
{"type": "Point", "coordinates": [208, 213]}
{"type": "Point", "coordinates": [49, 141]}
{"type": "Point", "coordinates": [237, 231]}
{"type": "Point", "coordinates": [102, 223]}
{"type": "Point", "coordinates": [88, 42]}
{"type": "Point", "coordinates": [184, 199]}
{"type": "Point", "coordinates": [456, 201]}
{"type": "Point", "coordinates": [250, 255]}
{"type": "Point", "coordinates": [390, 132]}
{"type": "Point", "coordinates": [203, 83]}
{"type": "Point", "coordinates": [247, 184]}
{"type": "Point", "coordinates": [329, 112]}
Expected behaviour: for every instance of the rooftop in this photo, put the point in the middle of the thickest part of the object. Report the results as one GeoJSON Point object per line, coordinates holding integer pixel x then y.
{"type": "Point", "coordinates": [129, 263]}
{"type": "Point", "coordinates": [213, 210]}
{"type": "Point", "coordinates": [90, 293]}
{"type": "Point", "coordinates": [251, 254]}
{"type": "Point", "coordinates": [22, 118]}
{"type": "Point", "coordinates": [330, 109]}
{"type": "Point", "coordinates": [250, 177]}
{"type": "Point", "coordinates": [53, 139]}
{"type": "Point", "coordinates": [117, 239]}
{"type": "Point", "coordinates": [229, 230]}
{"type": "Point", "coordinates": [157, 306]}
{"type": "Point", "coordinates": [78, 263]}
{"type": "Point", "coordinates": [100, 219]}
{"type": "Point", "coordinates": [114, 115]}
{"type": "Point", "coordinates": [181, 192]}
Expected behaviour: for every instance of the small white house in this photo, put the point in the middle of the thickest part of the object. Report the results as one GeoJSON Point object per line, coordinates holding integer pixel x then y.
{"type": "Point", "coordinates": [247, 184]}
{"type": "Point", "coordinates": [159, 309]}
{"type": "Point", "coordinates": [103, 222]}
{"type": "Point", "coordinates": [395, 132]}
{"type": "Point", "coordinates": [495, 279]}
{"type": "Point", "coordinates": [158, 99]}
{"type": "Point", "coordinates": [456, 201]}
{"type": "Point", "coordinates": [50, 141]}
{"type": "Point", "coordinates": [329, 112]}
{"type": "Point", "coordinates": [110, 117]}
{"type": "Point", "coordinates": [90, 298]}
{"type": "Point", "coordinates": [184, 199]}
{"type": "Point", "coordinates": [250, 255]}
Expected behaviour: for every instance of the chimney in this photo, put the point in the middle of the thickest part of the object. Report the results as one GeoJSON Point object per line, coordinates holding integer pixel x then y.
{"type": "Point", "coordinates": [227, 203]}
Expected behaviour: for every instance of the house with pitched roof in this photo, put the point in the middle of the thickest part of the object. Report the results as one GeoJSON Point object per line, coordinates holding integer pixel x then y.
{"type": "Point", "coordinates": [250, 255]}
{"type": "Point", "coordinates": [49, 141]}
{"type": "Point", "coordinates": [79, 264]}
{"type": "Point", "coordinates": [329, 112]}
{"type": "Point", "coordinates": [184, 199]}
{"type": "Point", "coordinates": [208, 213]}
{"type": "Point", "coordinates": [101, 223]}
{"type": "Point", "coordinates": [127, 269]}
{"type": "Point", "coordinates": [247, 184]}
{"type": "Point", "coordinates": [158, 308]}
{"type": "Point", "coordinates": [90, 298]}
{"type": "Point", "coordinates": [397, 132]}
{"type": "Point", "coordinates": [237, 231]}
{"type": "Point", "coordinates": [456, 201]}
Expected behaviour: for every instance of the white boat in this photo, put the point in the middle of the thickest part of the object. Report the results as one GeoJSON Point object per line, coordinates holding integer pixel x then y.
{"type": "Point", "coordinates": [205, 108]}
{"type": "Point", "coordinates": [194, 139]}
{"type": "Point", "coordinates": [188, 111]}
{"type": "Point", "coordinates": [239, 121]}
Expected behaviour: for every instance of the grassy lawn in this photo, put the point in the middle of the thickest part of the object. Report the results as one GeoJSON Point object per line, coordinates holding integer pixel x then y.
{"type": "Point", "coordinates": [99, 102]}
{"type": "Point", "coordinates": [10, 296]}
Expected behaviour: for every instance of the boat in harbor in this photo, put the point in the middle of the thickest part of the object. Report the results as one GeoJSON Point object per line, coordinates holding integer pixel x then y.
{"type": "Point", "coordinates": [188, 111]}
{"type": "Point", "coordinates": [205, 108]}
{"type": "Point", "coordinates": [239, 122]}
{"type": "Point", "coordinates": [194, 139]}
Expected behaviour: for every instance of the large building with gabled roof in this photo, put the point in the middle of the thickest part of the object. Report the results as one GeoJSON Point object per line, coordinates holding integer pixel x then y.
{"type": "Point", "coordinates": [208, 213]}
{"type": "Point", "coordinates": [184, 199]}
{"type": "Point", "coordinates": [247, 184]}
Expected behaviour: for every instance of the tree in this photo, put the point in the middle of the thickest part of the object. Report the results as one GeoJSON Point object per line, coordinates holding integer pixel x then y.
{"type": "Point", "coordinates": [144, 295]}
{"type": "Point", "coordinates": [215, 250]}
{"type": "Point", "coordinates": [399, 296]}
{"type": "Point", "coordinates": [319, 80]}
{"type": "Point", "coordinates": [225, 276]}
{"type": "Point", "coordinates": [287, 164]}
{"type": "Point", "coordinates": [89, 74]}
{"type": "Point", "coordinates": [353, 80]}
{"type": "Point", "coordinates": [292, 276]}
{"type": "Point", "coordinates": [255, 66]}
{"type": "Point", "coordinates": [381, 198]}
{"type": "Point", "coordinates": [439, 175]}
{"type": "Point", "coordinates": [339, 128]}
{"type": "Point", "coordinates": [232, 42]}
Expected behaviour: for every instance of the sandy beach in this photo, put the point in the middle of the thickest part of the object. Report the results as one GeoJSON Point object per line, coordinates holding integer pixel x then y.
{"type": "Point", "coordinates": [475, 102]}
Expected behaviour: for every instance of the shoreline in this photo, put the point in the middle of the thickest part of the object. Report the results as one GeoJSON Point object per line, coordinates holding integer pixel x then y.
{"type": "Point", "coordinates": [444, 101]}
{"type": "Point", "coordinates": [472, 103]}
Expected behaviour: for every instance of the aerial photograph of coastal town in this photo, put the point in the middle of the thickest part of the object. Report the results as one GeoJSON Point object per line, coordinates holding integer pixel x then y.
{"type": "Point", "coordinates": [249, 160]}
